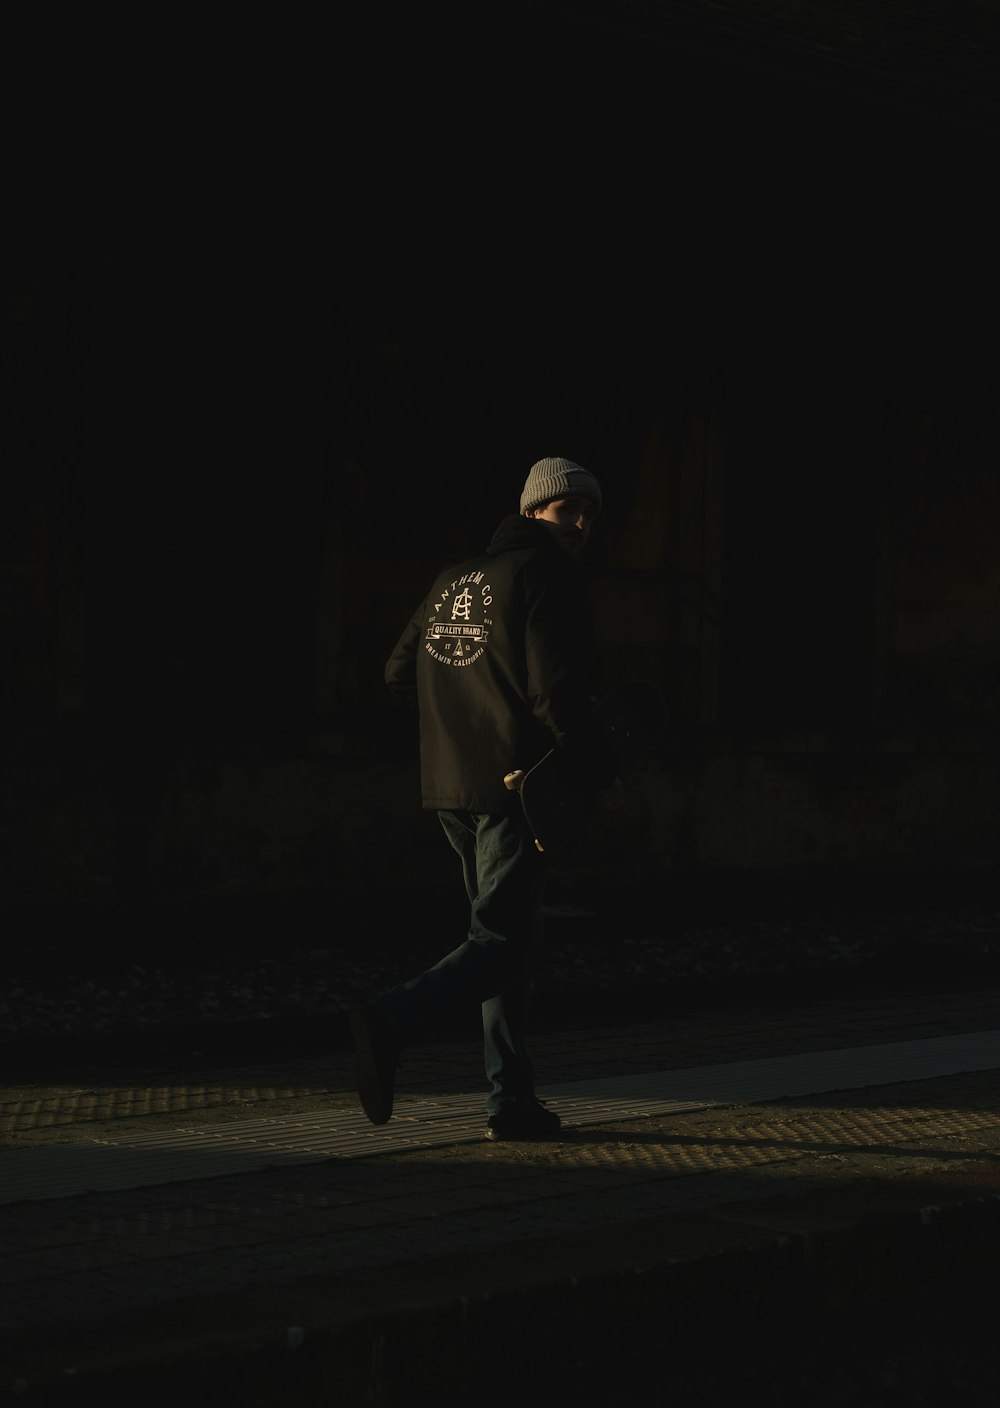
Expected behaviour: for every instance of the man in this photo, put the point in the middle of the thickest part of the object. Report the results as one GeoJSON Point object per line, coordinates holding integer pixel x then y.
{"type": "Point", "coordinates": [499, 660]}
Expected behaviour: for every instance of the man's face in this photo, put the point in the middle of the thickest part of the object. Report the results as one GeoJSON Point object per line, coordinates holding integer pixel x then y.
{"type": "Point", "coordinates": [569, 520]}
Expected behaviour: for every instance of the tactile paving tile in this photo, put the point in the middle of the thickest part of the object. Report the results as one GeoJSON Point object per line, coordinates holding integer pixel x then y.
{"type": "Point", "coordinates": [213, 1150]}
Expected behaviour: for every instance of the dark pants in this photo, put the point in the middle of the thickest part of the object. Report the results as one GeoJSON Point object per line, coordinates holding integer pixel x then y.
{"type": "Point", "coordinates": [505, 880]}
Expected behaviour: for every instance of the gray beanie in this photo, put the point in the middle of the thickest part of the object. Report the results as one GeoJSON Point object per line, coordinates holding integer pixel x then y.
{"type": "Point", "coordinates": [557, 479]}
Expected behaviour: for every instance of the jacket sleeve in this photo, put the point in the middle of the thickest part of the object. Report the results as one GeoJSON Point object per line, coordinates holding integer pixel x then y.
{"type": "Point", "coordinates": [401, 667]}
{"type": "Point", "coordinates": [563, 670]}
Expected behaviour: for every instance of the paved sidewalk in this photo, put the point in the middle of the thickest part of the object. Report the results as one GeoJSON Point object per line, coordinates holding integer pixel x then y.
{"type": "Point", "coordinates": [265, 1238]}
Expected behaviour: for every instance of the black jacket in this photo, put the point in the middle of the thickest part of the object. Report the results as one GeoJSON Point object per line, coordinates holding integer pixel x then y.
{"type": "Point", "coordinates": [500, 660]}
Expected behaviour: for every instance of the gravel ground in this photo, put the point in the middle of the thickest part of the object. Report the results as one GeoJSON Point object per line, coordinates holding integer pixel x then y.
{"type": "Point", "coordinates": [74, 997]}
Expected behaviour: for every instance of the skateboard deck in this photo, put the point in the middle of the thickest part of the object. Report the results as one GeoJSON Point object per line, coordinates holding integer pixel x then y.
{"type": "Point", "coordinates": [557, 795]}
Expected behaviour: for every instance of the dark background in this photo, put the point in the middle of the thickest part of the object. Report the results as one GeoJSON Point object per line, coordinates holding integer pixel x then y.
{"type": "Point", "coordinates": [291, 311]}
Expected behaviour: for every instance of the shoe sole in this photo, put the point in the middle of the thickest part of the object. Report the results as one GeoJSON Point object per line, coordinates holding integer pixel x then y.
{"type": "Point", "coordinates": [371, 1092]}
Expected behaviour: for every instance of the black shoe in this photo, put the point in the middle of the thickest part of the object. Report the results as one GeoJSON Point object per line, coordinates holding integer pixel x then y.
{"type": "Point", "coordinates": [377, 1051]}
{"type": "Point", "coordinates": [526, 1120]}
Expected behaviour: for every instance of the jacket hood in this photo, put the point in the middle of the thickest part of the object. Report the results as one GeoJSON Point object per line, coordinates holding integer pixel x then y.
{"type": "Point", "coordinates": [515, 531]}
